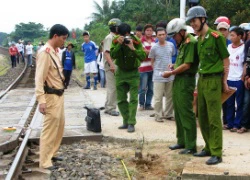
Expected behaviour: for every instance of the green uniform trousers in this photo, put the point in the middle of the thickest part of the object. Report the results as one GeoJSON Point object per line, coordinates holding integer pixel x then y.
{"type": "Point", "coordinates": [127, 81]}
{"type": "Point", "coordinates": [209, 113]}
{"type": "Point", "coordinates": [183, 89]}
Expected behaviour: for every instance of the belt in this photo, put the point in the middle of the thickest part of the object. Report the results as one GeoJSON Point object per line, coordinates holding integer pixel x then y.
{"type": "Point", "coordinates": [210, 75]}
{"type": "Point", "coordinates": [186, 75]}
{"type": "Point", "coordinates": [49, 90]}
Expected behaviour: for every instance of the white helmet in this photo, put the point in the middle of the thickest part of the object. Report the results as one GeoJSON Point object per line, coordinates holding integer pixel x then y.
{"type": "Point", "coordinates": [190, 30]}
{"type": "Point", "coordinates": [175, 25]}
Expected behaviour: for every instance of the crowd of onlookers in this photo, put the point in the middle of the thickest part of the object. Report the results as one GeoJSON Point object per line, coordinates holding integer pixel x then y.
{"type": "Point", "coordinates": [235, 109]}
{"type": "Point", "coordinates": [20, 50]}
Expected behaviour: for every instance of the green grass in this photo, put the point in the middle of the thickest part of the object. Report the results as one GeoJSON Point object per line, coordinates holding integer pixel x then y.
{"type": "Point", "coordinates": [79, 62]}
{"type": "Point", "coordinates": [4, 65]}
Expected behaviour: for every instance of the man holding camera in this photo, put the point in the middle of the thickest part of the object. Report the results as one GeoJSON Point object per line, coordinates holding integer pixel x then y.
{"type": "Point", "coordinates": [127, 51]}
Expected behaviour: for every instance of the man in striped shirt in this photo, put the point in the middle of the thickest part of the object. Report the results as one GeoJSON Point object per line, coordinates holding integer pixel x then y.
{"type": "Point", "coordinates": [146, 71]}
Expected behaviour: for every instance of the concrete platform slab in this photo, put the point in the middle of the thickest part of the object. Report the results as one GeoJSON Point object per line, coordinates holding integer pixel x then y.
{"type": "Point", "coordinates": [15, 109]}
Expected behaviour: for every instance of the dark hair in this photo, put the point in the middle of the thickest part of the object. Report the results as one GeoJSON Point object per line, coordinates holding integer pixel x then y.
{"type": "Point", "coordinates": [160, 29]}
{"type": "Point", "coordinates": [148, 26]}
{"type": "Point", "coordinates": [139, 28]}
{"type": "Point", "coordinates": [162, 24]}
{"type": "Point", "coordinates": [239, 31]}
{"type": "Point", "coordinates": [59, 30]}
{"type": "Point", "coordinates": [123, 29]}
{"type": "Point", "coordinates": [85, 33]}
{"type": "Point", "coordinates": [113, 29]}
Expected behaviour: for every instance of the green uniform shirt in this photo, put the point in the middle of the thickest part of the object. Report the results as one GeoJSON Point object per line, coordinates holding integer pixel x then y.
{"type": "Point", "coordinates": [188, 54]}
{"type": "Point", "coordinates": [124, 57]}
{"type": "Point", "coordinates": [212, 51]}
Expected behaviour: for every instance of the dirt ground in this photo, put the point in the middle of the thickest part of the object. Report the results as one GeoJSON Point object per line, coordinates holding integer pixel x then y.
{"type": "Point", "coordinates": [148, 160]}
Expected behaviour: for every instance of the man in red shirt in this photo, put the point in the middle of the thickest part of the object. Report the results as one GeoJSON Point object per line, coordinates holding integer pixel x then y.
{"type": "Point", "coordinates": [146, 71]}
{"type": "Point", "coordinates": [13, 51]}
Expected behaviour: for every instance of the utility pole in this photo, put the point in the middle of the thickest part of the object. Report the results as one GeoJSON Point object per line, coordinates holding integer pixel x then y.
{"type": "Point", "coordinates": [182, 9]}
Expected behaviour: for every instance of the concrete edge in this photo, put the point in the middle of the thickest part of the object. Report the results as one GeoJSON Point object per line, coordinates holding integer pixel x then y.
{"type": "Point", "coordinates": [71, 139]}
{"type": "Point", "coordinates": [212, 177]}
{"type": "Point", "coordinates": [13, 143]}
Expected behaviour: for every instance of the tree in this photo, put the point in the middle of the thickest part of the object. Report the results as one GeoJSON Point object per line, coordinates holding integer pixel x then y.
{"type": "Point", "coordinates": [3, 38]}
{"type": "Point", "coordinates": [28, 31]}
{"type": "Point", "coordinates": [237, 11]}
{"type": "Point", "coordinates": [103, 13]}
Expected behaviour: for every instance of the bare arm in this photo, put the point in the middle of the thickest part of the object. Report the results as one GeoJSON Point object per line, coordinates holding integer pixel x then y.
{"type": "Point", "coordinates": [152, 61]}
{"type": "Point", "coordinates": [109, 60]}
{"type": "Point", "coordinates": [178, 70]}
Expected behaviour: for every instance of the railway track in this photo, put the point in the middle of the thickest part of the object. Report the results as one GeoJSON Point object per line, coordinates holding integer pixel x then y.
{"type": "Point", "coordinates": [23, 160]}
{"type": "Point", "coordinates": [23, 80]}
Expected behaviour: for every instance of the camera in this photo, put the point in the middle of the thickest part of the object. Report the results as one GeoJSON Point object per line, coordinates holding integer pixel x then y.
{"type": "Point", "coordinates": [127, 40]}
{"type": "Point", "coordinates": [124, 30]}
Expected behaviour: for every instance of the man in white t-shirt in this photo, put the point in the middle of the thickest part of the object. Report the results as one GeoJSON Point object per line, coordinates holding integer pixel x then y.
{"type": "Point", "coordinates": [236, 51]}
{"type": "Point", "coordinates": [20, 48]}
{"type": "Point", "coordinates": [29, 52]}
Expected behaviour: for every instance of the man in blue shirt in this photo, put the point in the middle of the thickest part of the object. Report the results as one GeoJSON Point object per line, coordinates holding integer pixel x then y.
{"type": "Point", "coordinates": [90, 65]}
{"type": "Point", "coordinates": [68, 62]}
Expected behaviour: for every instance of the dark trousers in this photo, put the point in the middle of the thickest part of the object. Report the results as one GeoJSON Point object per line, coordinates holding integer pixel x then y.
{"type": "Point", "coordinates": [67, 74]}
{"type": "Point", "coordinates": [18, 56]}
{"type": "Point", "coordinates": [246, 110]}
{"type": "Point", "coordinates": [234, 115]}
{"type": "Point", "coordinates": [13, 61]}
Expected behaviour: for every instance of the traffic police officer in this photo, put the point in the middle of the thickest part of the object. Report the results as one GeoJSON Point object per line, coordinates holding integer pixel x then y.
{"type": "Point", "coordinates": [111, 101]}
{"type": "Point", "coordinates": [213, 72]}
{"type": "Point", "coordinates": [127, 51]}
{"type": "Point", "coordinates": [184, 84]}
{"type": "Point", "coordinates": [49, 92]}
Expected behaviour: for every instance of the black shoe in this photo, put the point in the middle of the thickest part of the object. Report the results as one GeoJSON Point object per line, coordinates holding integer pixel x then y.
{"type": "Point", "coordinates": [57, 158]}
{"type": "Point", "coordinates": [131, 128]}
{"type": "Point", "coordinates": [214, 160]}
{"type": "Point", "coordinates": [124, 126]}
{"type": "Point", "coordinates": [114, 113]}
{"type": "Point", "coordinates": [176, 146]}
{"type": "Point", "coordinates": [203, 153]}
{"type": "Point", "coordinates": [187, 151]}
{"type": "Point", "coordinates": [52, 168]}
{"type": "Point", "coordinates": [86, 87]}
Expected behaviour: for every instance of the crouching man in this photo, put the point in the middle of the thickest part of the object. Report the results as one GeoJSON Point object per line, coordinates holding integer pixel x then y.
{"type": "Point", "coordinates": [127, 51]}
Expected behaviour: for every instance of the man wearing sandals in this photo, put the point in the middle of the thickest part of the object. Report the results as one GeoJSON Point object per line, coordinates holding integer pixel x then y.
{"type": "Point", "coordinates": [213, 70]}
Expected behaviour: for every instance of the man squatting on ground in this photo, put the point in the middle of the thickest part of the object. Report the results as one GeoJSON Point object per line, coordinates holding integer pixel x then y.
{"type": "Point", "coordinates": [49, 93]}
{"type": "Point", "coordinates": [127, 51]}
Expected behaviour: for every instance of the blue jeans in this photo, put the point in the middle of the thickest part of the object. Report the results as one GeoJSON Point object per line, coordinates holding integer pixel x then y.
{"type": "Point", "coordinates": [29, 57]}
{"type": "Point", "coordinates": [246, 110]}
{"type": "Point", "coordinates": [234, 115]}
{"type": "Point", "coordinates": [146, 89]}
{"type": "Point", "coordinates": [102, 78]}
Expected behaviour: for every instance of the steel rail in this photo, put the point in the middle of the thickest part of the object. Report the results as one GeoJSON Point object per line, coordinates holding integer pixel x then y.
{"type": "Point", "coordinates": [12, 172]}
{"type": "Point", "coordinates": [12, 85]}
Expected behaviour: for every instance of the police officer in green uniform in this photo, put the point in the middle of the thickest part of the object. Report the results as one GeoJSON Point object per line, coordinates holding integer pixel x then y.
{"type": "Point", "coordinates": [213, 72]}
{"type": "Point", "coordinates": [185, 69]}
{"type": "Point", "coordinates": [127, 51]}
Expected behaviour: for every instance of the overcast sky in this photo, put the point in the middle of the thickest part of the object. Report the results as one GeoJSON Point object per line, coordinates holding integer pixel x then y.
{"type": "Point", "coordinates": [72, 13]}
